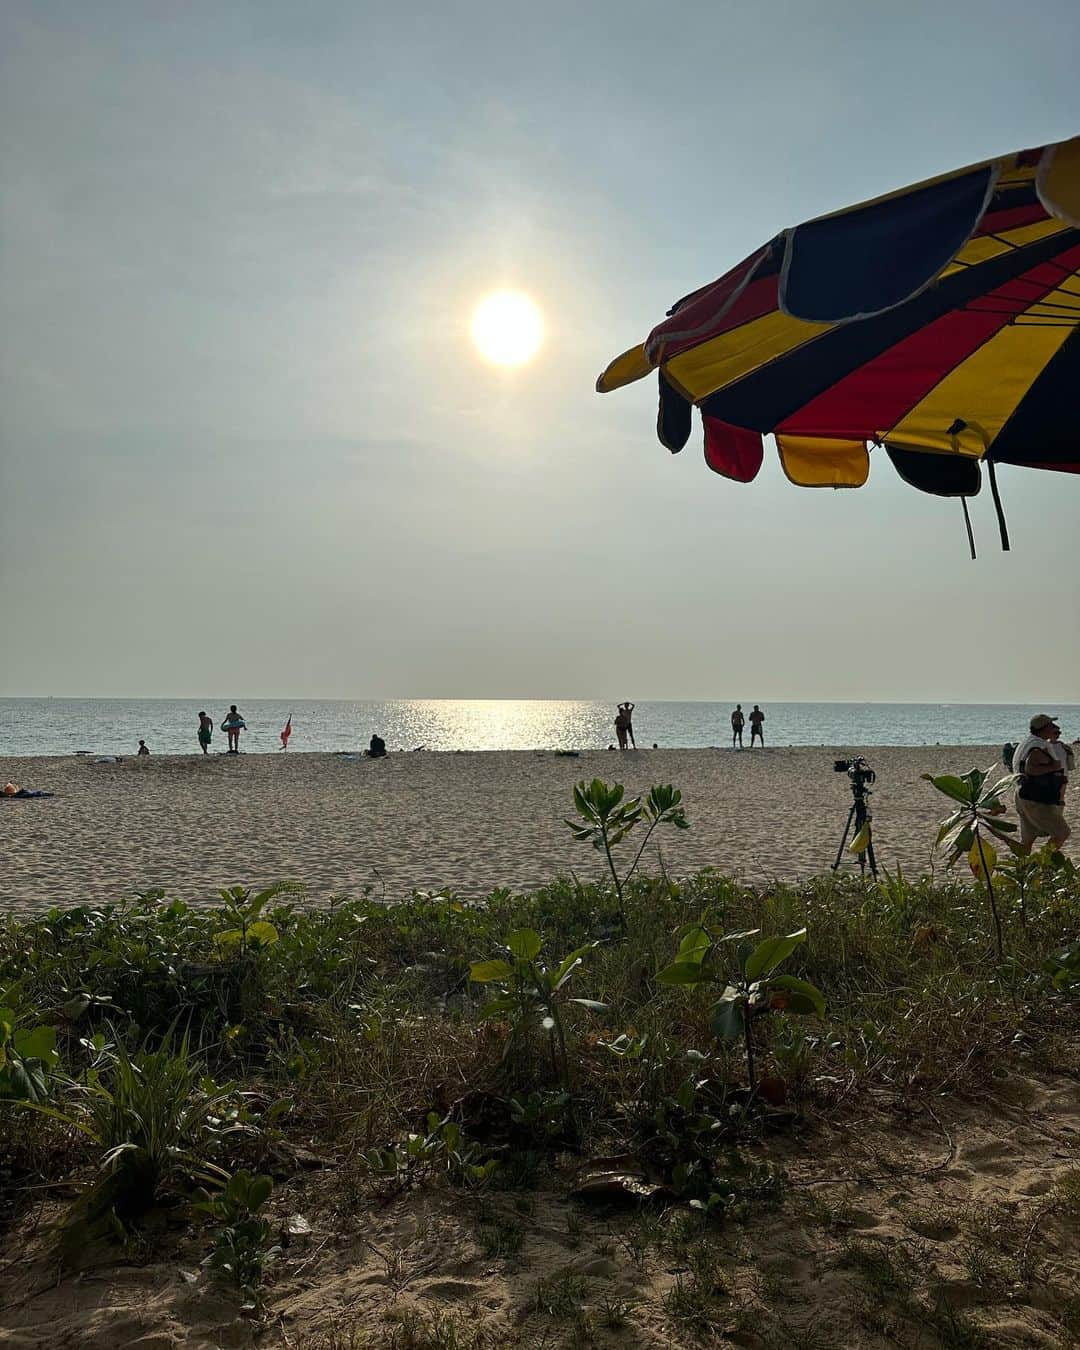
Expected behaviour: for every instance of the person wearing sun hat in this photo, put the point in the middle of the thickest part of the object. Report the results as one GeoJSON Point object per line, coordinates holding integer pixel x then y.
{"type": "Point", "coordinates": [1041, 764]}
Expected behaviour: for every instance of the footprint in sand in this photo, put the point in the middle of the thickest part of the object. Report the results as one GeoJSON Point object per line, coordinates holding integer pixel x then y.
{"type": "Point", "coordinates": [452, 1290]}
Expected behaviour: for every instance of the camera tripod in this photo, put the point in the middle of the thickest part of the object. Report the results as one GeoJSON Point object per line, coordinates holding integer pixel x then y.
{"type": "Point", "coordinates": [860, 815]}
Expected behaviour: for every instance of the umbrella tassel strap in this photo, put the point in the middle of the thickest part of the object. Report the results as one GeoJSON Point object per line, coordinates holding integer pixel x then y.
{"type": "Point", "coordinates": [967, 524]}
{"type": "Point", "coordinates": [1002, 527]}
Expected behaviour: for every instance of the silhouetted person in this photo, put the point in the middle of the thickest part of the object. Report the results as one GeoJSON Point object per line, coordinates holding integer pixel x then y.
{"type": "Point", "coordinates": [206, 732]}
{"type": "Point", "coordinates": [738, 721]}
{"type": "Point", "coordinates": [757, 717]}
{"type": "Point", "coordinates": [620, 727]}
{"type": "Point", "coordinates": [377, 748]}
{"type": "Point", "coordinates": [232, 725]}
{"type": "Point", "coordinates": [144, 749]}
{"type": "Point", "coordinates": [627, 710]}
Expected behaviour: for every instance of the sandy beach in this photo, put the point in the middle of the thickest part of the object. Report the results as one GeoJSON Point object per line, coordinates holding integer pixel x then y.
{"type": "Point", "coordinates": [468, 821]}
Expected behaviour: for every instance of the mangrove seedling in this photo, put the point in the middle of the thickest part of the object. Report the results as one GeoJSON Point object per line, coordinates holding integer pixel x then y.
{"type": "Point", "coordinates": [530, 992]}
{"type": "Point", "coordinates": [963, 833]}
{"type": "Point", "coordinates": [750, 985]}
{"type": "Point", "coordinates": [606, 819]}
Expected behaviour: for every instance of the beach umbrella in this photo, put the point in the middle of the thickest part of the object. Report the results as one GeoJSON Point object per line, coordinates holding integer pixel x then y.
{"type": "Point", "coordinates": [938, 323]}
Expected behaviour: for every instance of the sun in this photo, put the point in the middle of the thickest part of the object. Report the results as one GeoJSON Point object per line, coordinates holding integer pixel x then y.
{"type": "Point", "coordinates": [507, 328]}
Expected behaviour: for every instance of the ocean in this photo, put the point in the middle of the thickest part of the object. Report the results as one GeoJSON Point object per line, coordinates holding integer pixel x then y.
{"type": "Point", "coordinates": [60, 726]}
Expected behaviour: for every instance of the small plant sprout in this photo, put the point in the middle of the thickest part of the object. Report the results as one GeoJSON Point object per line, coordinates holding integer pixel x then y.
{"type": "Point", "coordinates": [244, 1248]}
{"type": "Point", "coordinates": [241, 910]}
{"type": "Point", "coordinates": [530, 992]}
{"type": "Point", "coordinates": [963, 833]}
{"type": "Point", "coordinates": [27, 1055]}
{"type": "Point", "coordinates": [606, 819]}
{"type": "Point", "coordinates": [750, 985]}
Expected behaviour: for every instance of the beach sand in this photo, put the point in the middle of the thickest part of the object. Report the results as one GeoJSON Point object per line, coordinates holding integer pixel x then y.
{"type": "Point", "coordinates": [470, 821]}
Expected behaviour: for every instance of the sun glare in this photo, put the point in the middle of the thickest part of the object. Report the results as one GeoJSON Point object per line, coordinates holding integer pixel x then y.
{"type": "Point", "coordinates": [507, 328]}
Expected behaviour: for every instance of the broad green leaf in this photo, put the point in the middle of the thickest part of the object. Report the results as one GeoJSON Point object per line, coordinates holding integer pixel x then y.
{"type": "Point", "coordinates": [38, 1043]}
{"type": "Point", "coordinates": [861, 841]}
{"type": "Point", "coordinates": [483, 972]}
{"type": "Point", "coordinates": [767, 955]}
{"type": "Point", "coordinates": [75, 1006]}
{"type": "Point", "coordinates": [228, 937]}
{"type": "Point", "coordinates": [259, 1192]}
{"type": "Point", "coordinates": [695, 945]}
{"type": "Point", "coordinates": [682, 972]}
{"type": "Point", "coordinates": [959, 841]}
{"type": "Point", "coordinates": [524, 944]}
{"type": "Point", "coordinates": [952, 786]}
{"type": "Point", "coordinates": [569, 964]}
{"type": "Point", "coordinates": [951, 822]}
{"type": "Point", "coordinates": [802, 990]}
{"type": "Point", "coordinates": [263, 933]}
{"type": "Point", "coordinates": [727, 1019]}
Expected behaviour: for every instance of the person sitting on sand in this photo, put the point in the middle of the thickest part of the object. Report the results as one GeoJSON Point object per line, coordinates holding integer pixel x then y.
{"type": "Point", "coordinates": [144, 749]}
{"type": "Point", "coordinates": [1040, 795]}
{"type": "Point", "coordinates": [233, 725]}
{"type": "Point", "coordinates": [206, 732]}
{"type": "Point", "coordinates": [757, 717]}
{"type": "Point", "coordinates": [377, 748]}
{"type": "Point", "coordinates": [738, 721]}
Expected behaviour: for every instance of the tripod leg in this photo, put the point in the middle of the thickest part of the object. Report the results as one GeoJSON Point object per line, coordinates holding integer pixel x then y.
{"type": "Point", "coordinates": [870, 854]}
{"type": "Point", "coordinates": [843, 838]}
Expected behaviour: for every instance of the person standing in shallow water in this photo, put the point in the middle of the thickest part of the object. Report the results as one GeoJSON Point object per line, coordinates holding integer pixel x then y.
{"type": "Point", "coordinates": [206, 732]}
{"type": "Point", "coordinates": [757, 718]}
{"type": "Point", "coordinates": [233, 725]}
{"type": "Point", "coordinates": [738, 721]}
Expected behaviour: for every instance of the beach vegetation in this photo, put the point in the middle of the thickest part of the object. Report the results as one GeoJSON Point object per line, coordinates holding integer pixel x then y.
{"type": "Point", "coordinates": [244, 1246]}
{"type": "Point", "coordinates": [27, 1055]}
{"type": "Point", "coordinates": [679, 1094]}
{"type": "Point", "coordinates": [605, 819]}
{"type": "Point", "coordinates": [748, 980]}
{"type": "Point", "coordinates": [964, 832]}
{"type": "Point", "coordinates": [153, 1121]}
{"type": "Point", "coordinates": [530, 996]}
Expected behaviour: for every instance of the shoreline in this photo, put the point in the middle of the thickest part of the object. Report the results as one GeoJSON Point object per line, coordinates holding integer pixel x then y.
{"type": "Point", "coordinates": [851, 748]}
{"type": "Point", "coordinates": [466, 821]}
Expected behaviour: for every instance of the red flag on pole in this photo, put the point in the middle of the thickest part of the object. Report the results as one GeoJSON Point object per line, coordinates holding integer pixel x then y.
{"type": "Point", "coordinates": [286, 733]}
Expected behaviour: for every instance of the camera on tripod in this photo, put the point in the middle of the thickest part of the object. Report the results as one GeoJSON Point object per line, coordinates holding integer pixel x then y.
{"type": "Point", "coordinates": [857, 769]}
{"type": "Point", "coordinates": [860, 776]}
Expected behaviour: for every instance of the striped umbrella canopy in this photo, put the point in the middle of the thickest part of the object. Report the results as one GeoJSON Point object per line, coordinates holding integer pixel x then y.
{"type": "Point", "coordinates": [941, 322]}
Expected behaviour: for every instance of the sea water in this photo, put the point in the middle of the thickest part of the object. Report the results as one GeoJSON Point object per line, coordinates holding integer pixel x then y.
{"type": "Point", "coordinates": [60, 726]}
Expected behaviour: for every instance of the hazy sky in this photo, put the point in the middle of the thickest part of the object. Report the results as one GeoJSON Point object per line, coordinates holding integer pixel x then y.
{"type": "Point", "coordinates": [246, 443]}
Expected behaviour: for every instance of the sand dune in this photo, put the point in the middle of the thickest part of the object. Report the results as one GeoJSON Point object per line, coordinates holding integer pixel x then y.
{"type": "Point", "coordinates": [469, 821]}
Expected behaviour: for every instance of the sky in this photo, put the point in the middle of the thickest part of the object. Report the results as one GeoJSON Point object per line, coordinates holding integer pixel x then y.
{"type": "Point", "coordinates": [247, 444]}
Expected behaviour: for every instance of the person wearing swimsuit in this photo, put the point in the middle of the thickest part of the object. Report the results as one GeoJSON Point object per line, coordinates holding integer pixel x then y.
{"type": "Point", "coordinates": [757, 717]}
{"type": "Point", "coordinates": [233, 725]}
{"type": "Point", "coordinates": [738, 721]}
{"type": "Point", "coordinates": [206, 732]}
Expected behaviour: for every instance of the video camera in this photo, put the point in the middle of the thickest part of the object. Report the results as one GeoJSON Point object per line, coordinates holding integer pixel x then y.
{"type": "Point", "coordinates": [857, 769]}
